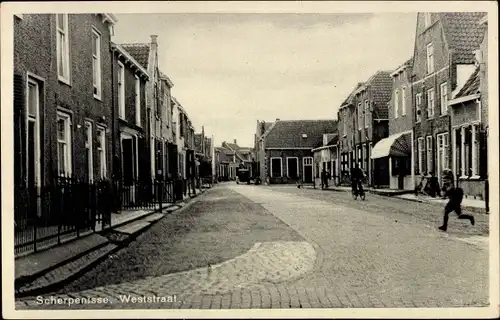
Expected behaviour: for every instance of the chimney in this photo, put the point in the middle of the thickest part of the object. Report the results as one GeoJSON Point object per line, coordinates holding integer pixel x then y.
{"type": "Point", "coordinates": [154, 39]}
{"type": "Point", "coordinates": [234, 141]}
{"type": "Point", "coordinates": [277, 119]}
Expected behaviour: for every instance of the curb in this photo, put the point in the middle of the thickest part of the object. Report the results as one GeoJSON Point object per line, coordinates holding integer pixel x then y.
{"type": "Point", "coordinates": [85, 268]}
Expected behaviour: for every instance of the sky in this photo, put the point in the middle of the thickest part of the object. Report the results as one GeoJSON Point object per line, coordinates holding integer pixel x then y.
{"type": "Point", "coordinates": [230, 70]}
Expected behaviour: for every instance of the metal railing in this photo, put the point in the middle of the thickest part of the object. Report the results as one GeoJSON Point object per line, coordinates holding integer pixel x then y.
{"type": "Point", "coordinates": [69, 208]}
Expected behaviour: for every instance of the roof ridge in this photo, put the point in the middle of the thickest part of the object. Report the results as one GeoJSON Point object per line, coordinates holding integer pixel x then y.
{"type": "Point", "coordinates": [135, 44]}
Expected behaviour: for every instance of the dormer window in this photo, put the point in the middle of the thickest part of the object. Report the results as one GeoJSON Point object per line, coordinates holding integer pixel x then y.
{"type": "Point", "coordinates": [304, 135]}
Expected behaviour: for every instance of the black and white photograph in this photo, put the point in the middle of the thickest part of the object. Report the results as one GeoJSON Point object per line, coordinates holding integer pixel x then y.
{"type": "Point", "coordinates": [250, 159]}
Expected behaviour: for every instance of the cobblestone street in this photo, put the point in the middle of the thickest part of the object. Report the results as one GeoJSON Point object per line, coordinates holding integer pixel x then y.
{"type": "Point", "coordinates": [240, 246]}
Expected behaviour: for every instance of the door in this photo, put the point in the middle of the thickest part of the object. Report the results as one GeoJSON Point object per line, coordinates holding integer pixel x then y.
{"type": "Point", "coordinates": [308, 170]}
{"type": "Point", "coordinates": [401, 171]}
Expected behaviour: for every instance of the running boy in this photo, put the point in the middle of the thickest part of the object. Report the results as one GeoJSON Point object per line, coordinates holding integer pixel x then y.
{"type": "Point", "coordinates": [456, 196]}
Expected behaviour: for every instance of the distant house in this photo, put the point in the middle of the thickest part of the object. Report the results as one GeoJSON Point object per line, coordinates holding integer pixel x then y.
{"type": "Point", "coordinates": [258, 150]}
{"type": "Point", "coordinates": [288, 146]}
{"type": "Point", "coordinates": [443, 62]}
{"type": "Point", "coordinates": [326, 158]}
{"type": "Point", "coordinates": [397, 147]}
{"type": "Point", "coordinates": [242, 157]}
{"type": "Point", "coordinates": [224, 162]}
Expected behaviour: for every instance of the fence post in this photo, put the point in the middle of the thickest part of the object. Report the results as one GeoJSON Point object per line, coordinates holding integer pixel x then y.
{"type": "Point", "coordinates": [160, 197]}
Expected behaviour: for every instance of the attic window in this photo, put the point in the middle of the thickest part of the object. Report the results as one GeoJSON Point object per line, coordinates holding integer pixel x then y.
{"type": "Point", "coordinates": [304, 135]}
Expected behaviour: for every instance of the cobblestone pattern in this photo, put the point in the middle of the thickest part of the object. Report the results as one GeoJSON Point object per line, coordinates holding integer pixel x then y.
{"type": "Point", "coordinates": [363, 258]}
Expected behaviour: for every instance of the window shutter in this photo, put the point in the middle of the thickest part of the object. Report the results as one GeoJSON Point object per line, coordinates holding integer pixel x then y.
{"type": "Point", "coordinates": [19, 129]}
{"type": "Point", "coordinates": [483, 155]}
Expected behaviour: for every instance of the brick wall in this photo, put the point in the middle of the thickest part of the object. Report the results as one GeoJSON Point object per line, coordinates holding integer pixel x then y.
{"type": "Point", "coordinates": [283, 154]}
{"type": "Point", "coordinates": [402, 122]}
{"type": "Point", "coordinates": [35, 52]}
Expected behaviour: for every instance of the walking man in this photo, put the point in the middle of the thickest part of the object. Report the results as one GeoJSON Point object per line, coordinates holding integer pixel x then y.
{"type": "Point", "coordinates": [454, 204]}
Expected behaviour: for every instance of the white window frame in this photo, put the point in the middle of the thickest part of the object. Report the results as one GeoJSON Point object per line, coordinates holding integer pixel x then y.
{"type": "Point", "coordinates": [36, 119]}
{"type": "Point", "coordinates": [443, 160]}
{"type": "Point", "coordinates": [367, 110]}
{"type": "Point", "coordinates": [365, 157]}
{"type": "Point", "coordinates": [430, 58]}
{"type": "Point", "coordinates": [427, 19]}
{"type": "Point", "coordinates": [431, 103]}
{"type": "Point", "coordinates": [62, 50]}
{"type": "Point", "coordinates": [281, 167]}
{"type": "Point", "coordinates": [360, 116]}
{"type": "Point", "coordinates": [97, 73]}
{"type": "Point", "coordinates": [102, 152]}
{"type": "Point", "coordinates": [65, 169]}
{"type": "Point", "coordinates": [307, 161]}
{"type": "Point", "coordinates": [89, 147]}
{"type": "Point", "coordinates": [396, 103]}
{"type": "Point", "coordinates": [121, 91]}
{"type": "Point", "coordinates": [429, 154]}
{"type": "Point", "coordinates": [360, 157]}
{"type": "Point", "coordinates": [137, 101]}
{"type": "Point", "coordinates": [443, 89]}
{"type": "Point", "coordinates": [421, 153]}
{"type": "Point", "coordinates": [418, 107]}
{"type": "Point", "coordinates": [403, 101]}
{"type": "Point", "coordinates": [287, 166]}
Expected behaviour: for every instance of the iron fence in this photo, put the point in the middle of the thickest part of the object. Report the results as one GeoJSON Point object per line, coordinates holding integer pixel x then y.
{"type": "Point", "coordinates": [48, 215]}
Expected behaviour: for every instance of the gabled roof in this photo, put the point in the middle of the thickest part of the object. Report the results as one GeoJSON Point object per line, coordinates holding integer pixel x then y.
{"type": "Point", "coordinates": [407, 64]}
{"type": "Point", "coordinates": [351, 95]}
{"type": "Point", "coordinates": [129, 58]}
{"type": "Point", "coordinates": [471, 86]}
{"type": "Point", "coordinates": [463, 34]}
{"type": "Point", "coordinates": [288, 133]}
{"type": "Point", "coordinates": [140, 52]}
{"type": "Point", "coordinates": [234, 148]}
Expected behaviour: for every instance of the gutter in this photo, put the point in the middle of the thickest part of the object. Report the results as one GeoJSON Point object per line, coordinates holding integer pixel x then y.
{"type": "Point", "coordinates": [464, 99]}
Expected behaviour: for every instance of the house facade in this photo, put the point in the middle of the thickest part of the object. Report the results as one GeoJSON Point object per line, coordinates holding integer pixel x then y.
{"type": "Point", "coordinates": [258, 149]}
{"type": "Point", "coordinates": [443, 61]}
{"type": "Point", "coordinates": [326, 158]}
{"type": "Point", "coordinates": [288, 146]}
{"type": "Point", "coordinates": [62, 97]}
{"type": "Point", "coordinates": [397, 147]}
{"type": "Point", "coordinates": [469, 131]}
{"type": "Point", "coordinates": [131, 161]}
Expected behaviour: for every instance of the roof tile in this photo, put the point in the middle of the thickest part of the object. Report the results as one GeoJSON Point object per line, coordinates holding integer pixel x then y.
{"type": "Point", "coordinates": [288, 133]}
{"type": "Point", "coordinates": [463, 33]}
{"type": "Point", "coordinates": [471, 86]}
{"type": "Point", "coordinates": [140, 52]}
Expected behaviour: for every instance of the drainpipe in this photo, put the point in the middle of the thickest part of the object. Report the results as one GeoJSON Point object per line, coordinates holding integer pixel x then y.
{"type": "Point", "coordinates": [113, 115]}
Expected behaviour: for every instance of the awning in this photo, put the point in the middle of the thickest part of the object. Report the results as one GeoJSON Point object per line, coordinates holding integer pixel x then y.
{"type": "Point", "coordinates": [397, 145]}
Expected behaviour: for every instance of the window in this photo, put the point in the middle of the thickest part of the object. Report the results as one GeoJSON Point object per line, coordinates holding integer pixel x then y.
{"type": "Point", "coordinates": [88, 150]}
{"type": "Point", "coordinates": [360, 116]}
{"type": "Point", "coordinates": [101, 152]}
{"type": "Point", "coordinates": [396, 103]}
{"type": "Point", "coordinates": [429, 155]}
{"type": "Point", "coordinates": [64, 144]}
{"type": "Point", "coordinates": [444, 98]}
{"type": "Point", "coordinates": [421, 155]}
{"type": "Point", "coordinates": [427, 19]}
{"type": "Point", "coordinates": [62, 47]}
{"type": "Point", "coordinates": [96, 63]}
{"type": "Point", "coordinates": [367, 110]}
{"type": "Point", "coordinates": [418, 106]}
{"type": "Point", "coordinates": [430, 103]}
{"type": "Point", "coordinates": [360, 158]}
{"type": "Point", "coordinates": [137, 101]}
{"type": "Point", "coordinates": [403, 101]}
{"type": "Point", "coordinates": [121, 90]}
{"type": "Point", "coordinates": [430, 58]}
{"type": "Point", "coordinates": [276, 169]}
{"type": "Point", "coordinates": [442, 152]}
{"type": "Point", "coordinates": [345, 126]}
{"type": "Point", "coordinates": [292, 167]}
{"type": "Point", "coordinates": [33, 136]}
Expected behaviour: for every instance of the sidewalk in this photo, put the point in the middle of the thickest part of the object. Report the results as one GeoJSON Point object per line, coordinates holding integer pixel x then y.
{"type": "Point", "coordinates": [44, 270]}
{"type": "Point", "coordinates": [477, 206]}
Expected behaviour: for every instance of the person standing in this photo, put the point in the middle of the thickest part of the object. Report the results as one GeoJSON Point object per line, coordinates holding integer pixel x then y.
{"type": "Point", "coordinates": [456, 196]}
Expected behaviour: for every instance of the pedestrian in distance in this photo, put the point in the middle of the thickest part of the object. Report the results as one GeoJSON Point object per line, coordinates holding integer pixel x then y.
{"type": "Point", "coordinates": [456, 196]}
{"type": "Point", "coordinates": [323, 179]}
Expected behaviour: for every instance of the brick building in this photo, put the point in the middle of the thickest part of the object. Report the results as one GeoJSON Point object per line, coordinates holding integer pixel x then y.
{"type": "Point", "coordinates": [288, 146]}
{"type": "Point", "coordinates": [62, 97]}
{"type": "Point", "coordinates": [131, 149]}
{"type": "Point", "coordinates": [326, 158]}
{"type": "Point", "coordinates": [397, 147]}
{"type": "Point", "coordinates": [443, 61]}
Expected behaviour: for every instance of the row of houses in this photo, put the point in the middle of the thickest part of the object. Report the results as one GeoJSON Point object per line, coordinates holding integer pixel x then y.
{"type": "Point", "coordinates": [91, 109]}
{"type": "Point", "coordinates": [230, 157]}
{"type": "Point", "coordinates": [424, 116]}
